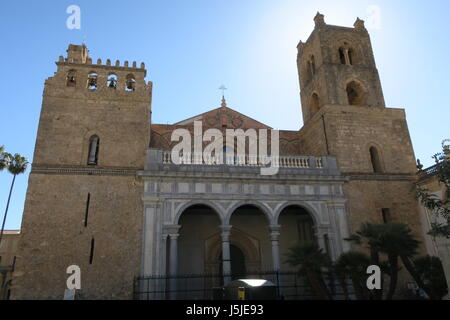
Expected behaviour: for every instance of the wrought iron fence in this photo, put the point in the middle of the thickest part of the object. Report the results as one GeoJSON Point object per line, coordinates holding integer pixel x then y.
{"type": "Point", "coordinates": [290, 286]}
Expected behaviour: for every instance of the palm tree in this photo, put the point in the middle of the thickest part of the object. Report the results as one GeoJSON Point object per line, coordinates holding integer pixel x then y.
{"type": "Point", "coordinates": [353, 265]}
{"type": "Point", "coordinates": [396, 241]}
{"type": "Point", "coordinates": [16, 165]}
{"type": "Point", "coordinates": [399, 240]}
{"type": "Point", "coordinates": [369, 236]}
{"type": "Point", "coordinates": [310, 258]}
{"type": "Point", "coordinates": [3, 161]}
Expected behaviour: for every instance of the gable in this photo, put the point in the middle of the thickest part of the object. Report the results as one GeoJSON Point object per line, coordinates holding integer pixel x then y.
{"type": "Point", "coordinates": [224, 116]}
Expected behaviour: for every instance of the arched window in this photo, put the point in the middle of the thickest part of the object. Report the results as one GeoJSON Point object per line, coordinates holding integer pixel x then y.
{"type": "Point", "coordinates": [313, 65]}
{"type": "Point", "coordinates": [308, 75]}
{"type": "Point", "coordinates": [314, 103]}
{"type": "Point", "coordinates": [94, 144]}
{"type": "Point", "coordinates": [112, 81]}
{"type": "Point", "coordinates": [131, 83]}
{"type": "Point", "coordinates": [375, 160]}
{"type": "Point", "coordinates": [92, 81]}
{"type": "Point", "coordinates": [346, 54]}
{"type": "Point", "coordinates": [356, 94]}
{"type": "Point", "coordinates": [342, 55]}
{"type": "Point", "coordinates": [71, 80]}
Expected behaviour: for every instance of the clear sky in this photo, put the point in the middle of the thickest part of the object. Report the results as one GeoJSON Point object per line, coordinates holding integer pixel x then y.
{"type": "Point", "coordinates": [191, 47]}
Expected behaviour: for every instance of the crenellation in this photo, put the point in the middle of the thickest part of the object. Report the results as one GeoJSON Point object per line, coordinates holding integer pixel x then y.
{"type": "Point", "coordinates": [90, 79]}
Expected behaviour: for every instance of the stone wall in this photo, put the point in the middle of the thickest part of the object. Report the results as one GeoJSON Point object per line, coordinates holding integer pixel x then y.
{"type": "Point", "coordinates": [54, 236]}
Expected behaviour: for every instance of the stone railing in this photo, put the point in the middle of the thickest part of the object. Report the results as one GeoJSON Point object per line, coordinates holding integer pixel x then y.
{"type": "Point", "coordinates": [158, 159]}
{"type": "Point", "coordinates": [284, 161]}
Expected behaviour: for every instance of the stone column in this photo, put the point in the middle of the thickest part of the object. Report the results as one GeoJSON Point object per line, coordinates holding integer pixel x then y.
{"type": "Point", "coordinates": [226, 257]}
{"type": "Point", "coordinates": [347, 57]}
{"type": "Point", "coordinates": [173, 265]}
{"type": "Point", "coordinates": [162, 285]}
{"type": "Point", "coordinates": [172, 232]}
{"type": "Point", "coordinates": [173, 254]}
{"type": "Point", "coordinates": [274, 239]}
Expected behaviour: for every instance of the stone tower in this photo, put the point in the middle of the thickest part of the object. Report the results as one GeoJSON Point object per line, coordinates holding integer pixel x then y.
{"type": "Point", "coordinates": [345, 116]}
{"type": "Point", "coordinates": [83, 204]}
{"type": "Point", "coordinates": [337, 66]}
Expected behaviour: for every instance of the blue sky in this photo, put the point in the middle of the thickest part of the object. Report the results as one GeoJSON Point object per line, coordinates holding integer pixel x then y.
{"type": "Point", "coordinates": [191, 47]}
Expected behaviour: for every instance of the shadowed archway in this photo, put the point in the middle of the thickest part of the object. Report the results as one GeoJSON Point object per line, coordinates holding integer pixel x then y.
{"type": "Point", "coordinates": [250, 232]}
{"type": "Point", "coordinates": [198, 223]}
{"type": "Point", "coordinates": [297, 226]}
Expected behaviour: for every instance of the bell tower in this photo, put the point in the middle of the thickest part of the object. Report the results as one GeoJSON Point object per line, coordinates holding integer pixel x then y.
{"type": "Point", "coordinates": [336, 66]}
{"type": "Point", "coordinates": [345, 116]}
{"type": "Point", "coordinates": [83, 204]}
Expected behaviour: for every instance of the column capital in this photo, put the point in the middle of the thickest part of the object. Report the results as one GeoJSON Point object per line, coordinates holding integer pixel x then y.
{"type": "Point", "coordinates": [171, 228]}
{"type": "Point", "coordinates": [274, 232]}
{"type": "Point", "coordinates": [174, 236]}
{"type": "Point", "coordinates": [226, 229]}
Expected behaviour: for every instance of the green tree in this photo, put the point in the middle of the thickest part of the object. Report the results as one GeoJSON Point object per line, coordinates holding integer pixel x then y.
{"type": "Point", "coordinates": [432, 202]}
{"type": "Point", "coordinates": [353, 265]}
{"type": "Point", "coordinates": [395, 240]}
{"type": "Point", "coordinates": [16, 164]}
{"type": "Point", "coordinates": [3, 160]}
{"type": "Point", "coordinates": [311, 259]}
{"type": "Point", "coordinates": [368, 236]}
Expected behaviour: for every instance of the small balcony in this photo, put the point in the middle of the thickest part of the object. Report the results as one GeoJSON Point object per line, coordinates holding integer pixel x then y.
{"type": "Point", "coordinates": [158, 159]}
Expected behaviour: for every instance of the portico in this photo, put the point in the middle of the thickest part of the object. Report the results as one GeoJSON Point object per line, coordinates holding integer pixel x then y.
{"type": "Point", "coordinates": [207, 219]}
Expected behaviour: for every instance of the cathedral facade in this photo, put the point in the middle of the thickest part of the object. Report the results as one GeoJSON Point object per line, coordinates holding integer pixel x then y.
{"type": "Point", "coordinates": [105, 193]}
